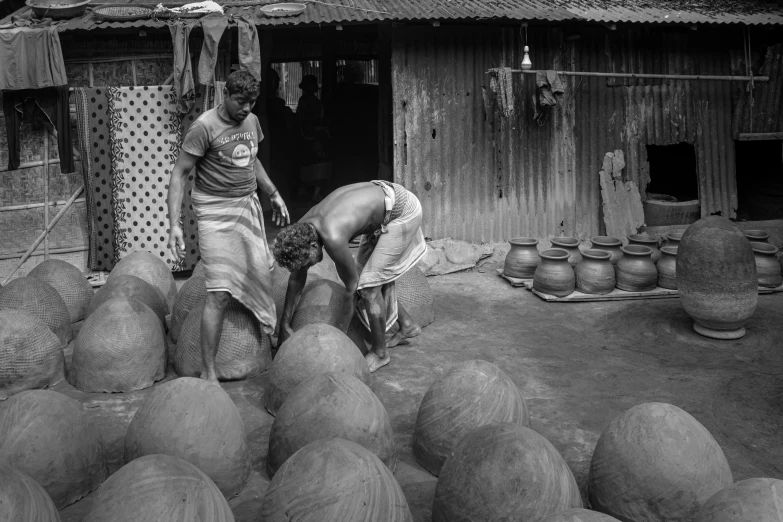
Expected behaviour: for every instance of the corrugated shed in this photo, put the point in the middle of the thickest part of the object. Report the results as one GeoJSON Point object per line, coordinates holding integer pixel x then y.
{"type": "Point", "coordinates": [762, 112]}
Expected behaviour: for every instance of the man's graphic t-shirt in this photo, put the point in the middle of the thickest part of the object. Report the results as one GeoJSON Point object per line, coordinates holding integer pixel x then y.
{"type": "Point", "coordinates": [227, 153]}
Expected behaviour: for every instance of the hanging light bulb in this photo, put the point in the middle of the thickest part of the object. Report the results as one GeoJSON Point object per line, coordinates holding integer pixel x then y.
{"type": "Point", "coordinates": [526, 63]}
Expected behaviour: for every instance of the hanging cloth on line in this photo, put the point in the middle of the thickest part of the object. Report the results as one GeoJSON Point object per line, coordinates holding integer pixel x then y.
{"type": "Point", "coordinates": [548, 84]}
{"type": "Point", "coordinates": [184, 87]}
{"type": "Point", "coordinates": [249, 47]}
{"type": "Point", "coordinates": [213, 27]}
{"type": "Point", "coordinates": [31, 58]}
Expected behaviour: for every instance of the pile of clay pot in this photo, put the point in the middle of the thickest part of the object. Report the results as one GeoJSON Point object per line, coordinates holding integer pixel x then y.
{"type": "Point", "coordinates": [641, 265]}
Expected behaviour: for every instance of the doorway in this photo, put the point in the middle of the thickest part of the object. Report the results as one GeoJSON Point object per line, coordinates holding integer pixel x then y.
{"type": "Point", "coordinates": [759, 180]}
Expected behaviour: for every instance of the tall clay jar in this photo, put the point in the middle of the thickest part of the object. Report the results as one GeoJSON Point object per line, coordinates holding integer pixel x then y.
{"type": "Point", "coordinates": [570, 245]}
{"type": "Point", "coordinates": [609, 244]}
{"type": "Point", "coordinates": [595, 273]}
{"type": "Point", "coordinates": [717, 278]}
{"type": "Point", "coordinates": [667, 268]}
{"type": "Point", "coordinates": [554, 275]}
{"type": "Point", "coordinates": [673, 239]}
{"type": "Point", "coordinates": [648, 241]}
{"type": "Point", "coordinates": [636, 271]}
{"type": "Point", "coordinates": [760, 236]}
{"type": "Point", "coordinates": [767, 265]}
{"type": "Point", "coordinates": [522, 259]}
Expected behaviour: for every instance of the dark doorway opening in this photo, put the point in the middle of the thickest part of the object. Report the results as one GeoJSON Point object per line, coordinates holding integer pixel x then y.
{"type": "Point", "coordinates": [759, 180]}
{"type": "Point", "coordinates": [673, 172]}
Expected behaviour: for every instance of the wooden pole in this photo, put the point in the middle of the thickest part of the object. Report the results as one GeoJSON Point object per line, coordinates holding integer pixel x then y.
{"type": "Point", "coordinates": [46, 190]}
{"type": "Point", "coordinates": [650, 76]}
{"type": "Point", "coordinates": [45, 232]}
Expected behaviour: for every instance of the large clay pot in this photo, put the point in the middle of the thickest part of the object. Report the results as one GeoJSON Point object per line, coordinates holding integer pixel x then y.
{"type": "Point", "coordinates": [717, 277]}
{"type": "Point", "coordinates": [570, 245]}
{"type": "Point", "coordinates": [760, 236]}
{"type": "Point", "coordinates": [636, 271]}
{"type": "Point", "coordinates": [522, 260]}
{"type": "Point", "coordinates": [648, 241]}
{"type": "Point", "coordinates": [595, 273]}
{"type": "Point", "coordinates": [667, 268]}
{"type": "Point", "coordinates": [554, 276]}
{"type": "Point", "coordinates": [767, 265]}
{"type": "Point", "coordinates": [673, 239]}
{"type": "Point", "coordinates": [609, 244]}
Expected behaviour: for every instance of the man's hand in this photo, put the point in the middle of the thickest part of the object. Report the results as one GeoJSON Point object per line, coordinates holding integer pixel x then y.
{"type": "Point", "coordinates": [280, 215]}
{"type": "Point", "coordinates": [177, 243]}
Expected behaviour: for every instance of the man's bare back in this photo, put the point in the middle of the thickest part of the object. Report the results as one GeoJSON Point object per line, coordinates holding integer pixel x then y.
{"type": "Point", "coordinates": [347, 213]}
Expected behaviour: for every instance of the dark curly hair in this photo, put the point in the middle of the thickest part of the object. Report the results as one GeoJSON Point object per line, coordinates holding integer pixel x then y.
{"type": "Point", "coordinates": [292, 245]}
{"type": "Point", "coordinates": [244, 83]}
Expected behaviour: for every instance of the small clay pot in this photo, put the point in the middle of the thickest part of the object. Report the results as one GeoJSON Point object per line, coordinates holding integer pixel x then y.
{"type": "Point", "coordinates": [522, 259]}
{"type": "Point", "coordinates": [673, 238]}
{"type": "Point", "coordinates": [767, 264]}
{"type": "Point", "coordinates": [554, 276]}
{"type": "Point", "coordinates": [760, 236]}
{"type": "Point", "coordinates": [648, 241]}
{"type": "Point", "coordinates": [635, 270]}
{"type": "Point", "coordinates": [595, 273]}
{"type": "Point", "coordinates": [570, 245]}
{"type": "Point", "coordinates": [609, 244]}
{"type": "Point", "coordinates": [667, 268]}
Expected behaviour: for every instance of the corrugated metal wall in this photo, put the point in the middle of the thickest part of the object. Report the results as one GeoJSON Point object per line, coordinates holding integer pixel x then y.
{"type": "Point", "coordinates": [486, 177]}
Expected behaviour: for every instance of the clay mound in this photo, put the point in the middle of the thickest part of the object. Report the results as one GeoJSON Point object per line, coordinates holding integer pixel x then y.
{"type": "Point", "coordinates": [320, 303]}
{"type": "Point", "coordinates": [750, 499]}
{"type": "Point", "coordinates": [69, 282]}
{"type": "Point", "coordinates": [415, 295]}
{"type": "Point", "coordinates": [159, 487]}
{"type": "Point", "coordinates": [578, 515]}
{"type": "Point", "coordinates": [120, 348]}
{"type": "Point", "coordinates": [504, 472]}
{"type": "Point", "coordinates": [50, 437]}
{"type": "Point", "coordinates": [39, 299]}
{"type": "Point", "coordinates": [153, 270]}
{"type": "Point", "coordinates": [243, 350]}
{"type": "Point", "coordinates": [22, 499]}
{"type": "Point", "coordinates": [334, 479]}
{"type": "Point", "coordinates": [30, 354]}
{"type": "Point", "coordinates": [131, 287]}
{"type": "Point", "coordinates": [192, 292]}
{"type": "Point", "coordinates": [326, 406]}
{"type": "Point", "coordinates": [470, 395]}
{"type": "Point", "coordinates": [655, 462]}
{"type": "Point", "coordinates": [315, 349]}
{"type": "Point", "coordinates": [196, 421]}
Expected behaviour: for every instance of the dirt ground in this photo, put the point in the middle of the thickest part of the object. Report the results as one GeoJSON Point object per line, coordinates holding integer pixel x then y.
{"type": "Point", "coordinates": [577, 365]}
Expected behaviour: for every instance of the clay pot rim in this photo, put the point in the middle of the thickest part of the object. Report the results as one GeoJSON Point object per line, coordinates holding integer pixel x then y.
{"type": "Point", "coordinates": [523, 241]}
{"type": "Point", "coordinates": [594, 253]}
{"type": "Point", "coordinates": [606, 241]}
{"type": "Point", "coordinates": [637, 250]}
{"type": "Point", "coordinates": [671, 250]}
{"type": "Point", "coordinates": [554, 254]}
{"type": "Point", "coordinates": [677, 236]}
{"type": "Point", "coordinates": [569, 242]}
{"type": "Point", "coordinates": [642, 238]}
{"type": "Point", "coordinates": [756, 234]}
{"type": "Point", "coordinates": [764, 248]}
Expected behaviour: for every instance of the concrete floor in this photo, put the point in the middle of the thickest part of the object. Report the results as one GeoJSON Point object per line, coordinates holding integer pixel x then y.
{"type": "Point", "coordinates": [577, 365]}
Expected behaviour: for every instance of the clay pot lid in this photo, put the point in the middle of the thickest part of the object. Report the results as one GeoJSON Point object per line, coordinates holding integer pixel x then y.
{"type": "Point", "coordinates": [642, 238]}
{"type": "Point", "coordinates": [601, 255]}
{"type": "Point", "coordinates": [523, 241]}
{"type": "Point", "coordinates": [565, 241]}
{"type": "Point", "coordinates": [756, 234]}
{"type": "Point", "coordinates": [671, 250]}
{"type": "Point", "coordinates": [606, 241]}
{"type": "Point", "coordinates": [636, 250]}
{"type": "Point", "coordinates": [555, 254]}
{"type": "Point", "coordinates": [677, 236]}
{"type": "Point", "coordinates": [764, 248]}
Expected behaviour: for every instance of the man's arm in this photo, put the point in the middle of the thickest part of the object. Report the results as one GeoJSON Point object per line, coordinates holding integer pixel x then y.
{"type": "Point", "coordinates": [185, 163]}
{"type": "Point", "coordinates": [280, 215]}
{"type": "Point", "coordinates": [346, 269]}
{"type": "Point", "coordinates": [296, 282]}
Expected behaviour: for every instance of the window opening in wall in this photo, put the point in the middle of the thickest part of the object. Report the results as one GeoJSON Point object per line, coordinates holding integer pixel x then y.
{"type": "Point", "coordinates": [759, 180]}
{"type": "Point", "coordinates": [672, 172]}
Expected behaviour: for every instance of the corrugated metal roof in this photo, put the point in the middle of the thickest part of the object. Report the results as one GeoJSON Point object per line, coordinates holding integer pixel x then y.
{"type": "Point", "coordinates": [753, 12]}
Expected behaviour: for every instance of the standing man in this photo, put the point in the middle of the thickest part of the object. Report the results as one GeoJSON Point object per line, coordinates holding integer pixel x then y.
{"type": "Point", "coordinates": [222, 145]}
{"type": "Point", "coordinates": [389, 218]}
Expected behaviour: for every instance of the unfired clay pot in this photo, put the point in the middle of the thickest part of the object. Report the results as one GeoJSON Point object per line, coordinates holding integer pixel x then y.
{"type": "Point", "coordinates": [554, 275]}
{"type": "Point", "coordinates": [761, 236]}
{"type": "Point", "coordinates": [648, 241]}
{"type": "Point", "coordinates": [767, 265]}
{"type": "Point", "coordinates": [636, 271]}
{"type": "Point", "coordinates": [673, 238]}
{"type": "Point", "coordinates": [570, 245]}
{"type": "Point", "coordinates": [522, 259]}
{"type": "Point", "coordinates": [595, 273]}
{"type": "Point", "coordinates": [667, 268]}
{"type": "Point", "coordinates": [609, 244]}
{"type": "Point", "coordinates": [717, 277]}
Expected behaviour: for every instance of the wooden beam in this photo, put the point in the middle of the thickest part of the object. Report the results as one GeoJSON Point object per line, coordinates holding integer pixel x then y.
{"type": "Point", "coordinates": [46, 190]}
{"type": "Point", "coordinates": [759, 136]}
{"type": "Point", "coordinates": [38, 205]}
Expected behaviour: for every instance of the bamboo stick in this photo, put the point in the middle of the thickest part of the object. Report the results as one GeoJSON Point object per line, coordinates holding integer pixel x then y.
{"type": "Point", "coordinates": [46, 190]}
{"type": "Point", "coordinates": [114, 59]}
{"type": "Point", "coordinates": [65, 250]}
{"type": "Point", "coordinates": [49, 227]}
{"type": "Point", "coordinates": [38, 205]}
{"type": "Point", "coordinates": [31, 165]}
{"type": "Point", "coordinates": [650, 76]}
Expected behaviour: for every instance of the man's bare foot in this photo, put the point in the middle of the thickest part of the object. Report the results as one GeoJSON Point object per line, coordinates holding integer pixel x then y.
{"type": "Point", "coordinates": [210, 376]}
{"type": "Point", "coordinates": [375, 362]}
{"type": "Point", "coordinates": [403, 334]}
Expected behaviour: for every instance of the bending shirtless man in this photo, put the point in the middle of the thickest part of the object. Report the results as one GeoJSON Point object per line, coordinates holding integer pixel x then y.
{"type": "Point", "coordinates": [389, 218]}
